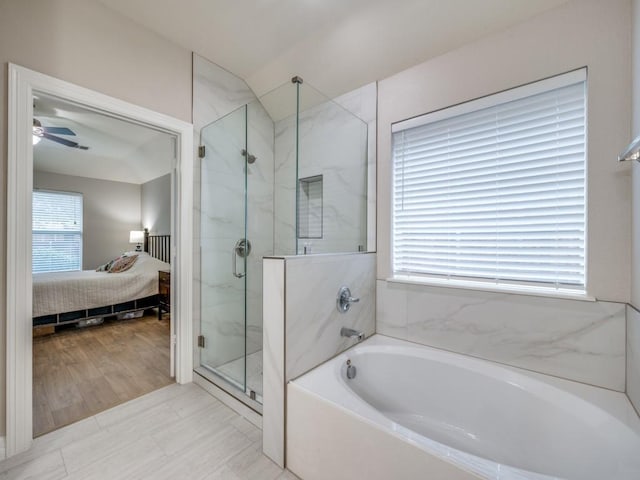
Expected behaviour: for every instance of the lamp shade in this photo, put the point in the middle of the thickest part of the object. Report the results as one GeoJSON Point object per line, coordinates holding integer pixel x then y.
{"type": "Point", "coordinates": [136, 236]}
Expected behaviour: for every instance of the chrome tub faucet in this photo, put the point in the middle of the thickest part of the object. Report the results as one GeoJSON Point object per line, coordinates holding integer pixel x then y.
{"type": "Point", "coordinates": [344, 300]}
{"type": "Point", "coordinates": [351, 333]}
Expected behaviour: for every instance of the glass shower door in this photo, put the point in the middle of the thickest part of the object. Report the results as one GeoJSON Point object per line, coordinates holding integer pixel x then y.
{"type": "Point", "coordinates": [224, 249]}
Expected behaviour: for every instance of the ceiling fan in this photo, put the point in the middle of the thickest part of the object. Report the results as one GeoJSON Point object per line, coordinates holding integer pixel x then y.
{"type": "Point", "coordinates": [51, 133]}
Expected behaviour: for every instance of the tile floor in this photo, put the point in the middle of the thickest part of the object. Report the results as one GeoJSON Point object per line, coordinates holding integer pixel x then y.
{"type": "Point", "coordinates": [177, 432]}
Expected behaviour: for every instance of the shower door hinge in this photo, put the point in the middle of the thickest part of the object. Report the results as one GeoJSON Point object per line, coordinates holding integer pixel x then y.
{"type": "Point", "coordinates": [201, 151]}
{"type": "Point", "coordinates": [201, 341]}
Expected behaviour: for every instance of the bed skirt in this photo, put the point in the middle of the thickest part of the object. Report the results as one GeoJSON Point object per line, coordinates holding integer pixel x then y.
{"type": "Point", "coordinates": [106, 311]}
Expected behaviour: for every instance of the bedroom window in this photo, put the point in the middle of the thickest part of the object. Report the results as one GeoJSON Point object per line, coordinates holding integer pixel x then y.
{"type": "Point", "coordinates": [57, 231]}
{"type": "Point", "coordinates": [493, 190]}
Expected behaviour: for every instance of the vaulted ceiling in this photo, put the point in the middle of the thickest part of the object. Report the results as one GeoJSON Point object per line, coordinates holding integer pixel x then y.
{"type": "Point", "coordinates": [337, 45]}
{"type": "Point", "coordinates": [117, 149]}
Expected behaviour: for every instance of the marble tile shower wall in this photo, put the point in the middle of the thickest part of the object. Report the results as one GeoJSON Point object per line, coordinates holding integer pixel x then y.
{"type": "Point", "coordinates": [577, 340]}
{"type": "Point", "coordinates": [633, 356]}
{"type": "Point", "coordinates": [363, 102]}
{"type": "Point", "coordinates": [216, 93]}
{"type": "Point", "coordinates": [312, 321]}
{"type": "Point", "coordinates": [335, 144]}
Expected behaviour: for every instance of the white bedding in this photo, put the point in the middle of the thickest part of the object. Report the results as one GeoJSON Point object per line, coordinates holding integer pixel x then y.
{"type": "Point", "coordinates": [69, 291]}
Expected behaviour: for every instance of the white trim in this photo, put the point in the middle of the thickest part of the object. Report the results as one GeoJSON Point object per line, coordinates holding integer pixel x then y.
{"type": "Point", "coordinates": [486, 286]}
{"type": "Point", "coordinates": [22, 83]}
{"type": "Point", "coordinates": [516, 93]}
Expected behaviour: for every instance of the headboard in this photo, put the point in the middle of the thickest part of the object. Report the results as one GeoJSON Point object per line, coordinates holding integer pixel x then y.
{"type": "Point", "coordinates": [158, 246]}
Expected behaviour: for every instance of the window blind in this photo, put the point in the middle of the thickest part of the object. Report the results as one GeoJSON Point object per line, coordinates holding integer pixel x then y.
{"type": "Point", "coordinates": [495, 193]}
{"type": "Point", "coordinates": [57, 231]}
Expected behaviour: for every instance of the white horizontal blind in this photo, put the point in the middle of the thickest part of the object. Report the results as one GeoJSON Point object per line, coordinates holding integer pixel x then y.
{"type": "Point", "coordinates": [57, 231]}
{"type": "Point", "coordinates": [495, 194]}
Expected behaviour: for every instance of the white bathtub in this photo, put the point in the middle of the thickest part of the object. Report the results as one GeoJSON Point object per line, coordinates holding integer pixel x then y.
{"type": "Point", "coordinates": [418, 412]}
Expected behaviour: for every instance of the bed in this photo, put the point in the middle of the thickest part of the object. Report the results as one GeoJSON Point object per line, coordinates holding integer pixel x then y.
{"type": "Point", "coordinates": [70, 297]}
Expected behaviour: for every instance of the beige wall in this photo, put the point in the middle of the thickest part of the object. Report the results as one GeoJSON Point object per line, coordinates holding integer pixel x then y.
{"type": "Point", "coordinates": [87, 44]}
{"type": "Point", "coordinates": [635, 131]}
{"type": "Point", "coordinates": [589, 32]}
{"type": "Point", "coordinates": [156, 205]}
{"type": "Point", "coordinates": [110, 210]}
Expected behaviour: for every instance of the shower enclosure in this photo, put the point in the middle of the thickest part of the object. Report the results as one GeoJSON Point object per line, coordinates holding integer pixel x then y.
{"type": "Point", "coordinates": [283, 175]}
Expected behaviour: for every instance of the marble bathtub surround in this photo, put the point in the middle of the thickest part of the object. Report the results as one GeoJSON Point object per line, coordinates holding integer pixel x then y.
{"type": "Point", "coordinates": [312, 321]}
{"type": "Point", "coordinates": [577, 340]}
{"type": "Point", "coordinates": [633, 356]}
{"type": "Point", "coordinates": [302, 325]}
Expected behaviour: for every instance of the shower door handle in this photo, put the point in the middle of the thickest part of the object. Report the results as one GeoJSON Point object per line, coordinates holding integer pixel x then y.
{"type": "Point", "coordinates": [241, 249]}
{"type": "Point", "coordinates": [234, 261]}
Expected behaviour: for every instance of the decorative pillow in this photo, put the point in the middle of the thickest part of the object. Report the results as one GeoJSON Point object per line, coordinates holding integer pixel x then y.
{"type": "Point", "coordinates": [106, 266]}
{"type": "Point", "coordinates": [122, 264]}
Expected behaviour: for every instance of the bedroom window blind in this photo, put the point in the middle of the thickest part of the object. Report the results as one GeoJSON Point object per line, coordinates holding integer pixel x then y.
{"type": "Point", "coordinates": [493, 190]}
{"type": "Point", "coordinates": [57, 231]}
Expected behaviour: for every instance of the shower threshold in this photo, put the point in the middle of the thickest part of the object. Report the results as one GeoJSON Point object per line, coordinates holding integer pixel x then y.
{"type": "Point", "coordinates": [225, 382]}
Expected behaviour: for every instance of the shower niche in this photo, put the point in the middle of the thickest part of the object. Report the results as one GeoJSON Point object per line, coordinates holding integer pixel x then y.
{"type": "Point", "coordinates": [283, 174]}
{"type": "Point", "coordinates": [310, 208]}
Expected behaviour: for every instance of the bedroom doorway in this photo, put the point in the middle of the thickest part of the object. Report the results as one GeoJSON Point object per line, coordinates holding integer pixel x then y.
{"type": "Point", "coordinates": [101, 215]}
{"type": "Point", "coordinates": [25, 86]}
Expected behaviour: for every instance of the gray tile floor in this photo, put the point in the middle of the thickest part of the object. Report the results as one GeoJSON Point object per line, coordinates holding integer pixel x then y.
{"type": "Point", "coordinates": [177, 432]}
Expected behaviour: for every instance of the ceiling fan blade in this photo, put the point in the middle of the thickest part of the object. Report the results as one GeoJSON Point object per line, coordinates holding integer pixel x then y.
{"type": "Point", "coordinates": [58, 130]}
{"type": "Point", "coordinates": [63, 141]}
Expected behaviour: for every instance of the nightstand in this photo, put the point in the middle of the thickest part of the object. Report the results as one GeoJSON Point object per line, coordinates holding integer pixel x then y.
{"type": "Point", "coordinates": [164, 292]}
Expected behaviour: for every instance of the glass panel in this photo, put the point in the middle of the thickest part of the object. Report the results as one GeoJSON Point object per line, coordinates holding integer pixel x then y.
{"type": "Point", "coordinates": [260, 177]}
{"type": "Point", "coordinates": [316, 137]}
{"type": "Point", "coordinates": [258, 159]}
{"type": "Point", "coordinates": [332, 145]}
{"type": "Point", "coordinates": [281, 106]}
{"type": "Point", "coordinates": [223, 247]}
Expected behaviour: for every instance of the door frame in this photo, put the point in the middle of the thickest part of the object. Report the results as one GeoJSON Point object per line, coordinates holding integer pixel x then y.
{"type": "Point", "coordinates": [19, 335]}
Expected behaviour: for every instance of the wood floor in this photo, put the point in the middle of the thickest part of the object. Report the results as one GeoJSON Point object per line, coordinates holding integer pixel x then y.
{"type": "Point", "coordinates": [177, 432]}
{"type": "Point", "coordinates": [80, 372]}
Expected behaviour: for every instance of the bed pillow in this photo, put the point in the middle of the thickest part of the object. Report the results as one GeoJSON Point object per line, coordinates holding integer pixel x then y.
{"type": "Point", "coordinates": [106, 266]}
{"type": "Point", "coordinates": [123, 264]}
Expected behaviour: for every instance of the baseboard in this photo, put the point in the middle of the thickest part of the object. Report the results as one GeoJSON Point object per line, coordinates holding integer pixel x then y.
{"type": "Point", "coordinates": [229, 400]}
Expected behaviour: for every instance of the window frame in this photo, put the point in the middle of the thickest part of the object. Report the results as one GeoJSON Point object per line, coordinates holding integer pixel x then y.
{"type": "Point", "coordinates": [80, 233]}
{"type": "Point", "coordinates": [579, 75]}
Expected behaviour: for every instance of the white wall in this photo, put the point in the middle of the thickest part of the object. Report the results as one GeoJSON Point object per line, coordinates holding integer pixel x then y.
{"type": "Point", "coordinates": [155, 205]}
{"type": "Point", "coordinates": [591, 33]}
{"type": "Point", "coordinates": [90, 45]}
{"type": "Point", "coordinates": [110, 210]}
{"type": "Point", "coordinates": [583, 341]}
